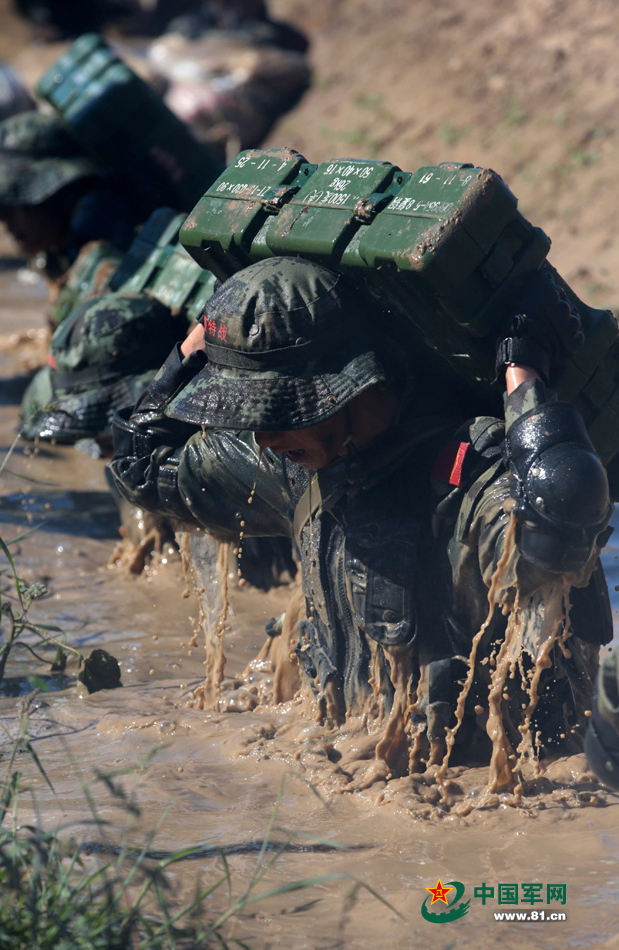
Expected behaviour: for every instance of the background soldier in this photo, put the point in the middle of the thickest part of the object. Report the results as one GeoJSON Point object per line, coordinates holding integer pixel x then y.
{"type": "Point", "coordinates": [56, 202]}
{"type": "Point", "coordinates": [100, 359]}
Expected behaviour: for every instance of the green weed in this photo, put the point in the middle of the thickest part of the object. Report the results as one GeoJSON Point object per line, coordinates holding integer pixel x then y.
{"type": "Point", "coordinates": [513, 114]}
{"type": "Point", "coordinates": [451, 134]}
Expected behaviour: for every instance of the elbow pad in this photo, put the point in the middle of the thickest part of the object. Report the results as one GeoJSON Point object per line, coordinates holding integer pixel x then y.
{"type": "Point", "coordinates": [560, 488]}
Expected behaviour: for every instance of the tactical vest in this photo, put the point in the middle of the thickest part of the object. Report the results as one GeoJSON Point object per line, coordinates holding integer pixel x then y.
{"type": "Point", "coordinates": [126, 127]}
{"type": "Point", "coordinates": [155, 264]}
{"type": "Point", "coordinates": [439, 255]}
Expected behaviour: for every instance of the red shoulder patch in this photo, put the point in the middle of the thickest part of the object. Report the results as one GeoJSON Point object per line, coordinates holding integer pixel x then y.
{"type": "Point", "coordinates": [51, 361]}
{"type": "Point", "coordinates": [448, 466]}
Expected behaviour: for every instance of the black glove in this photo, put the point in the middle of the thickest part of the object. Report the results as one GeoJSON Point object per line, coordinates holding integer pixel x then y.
{"type": "Point", "coordinates": [542, 329]}
{"type": "Point", "coordinates": [560, 487]}
{"type": "Point", "coordinates": [175, 373]}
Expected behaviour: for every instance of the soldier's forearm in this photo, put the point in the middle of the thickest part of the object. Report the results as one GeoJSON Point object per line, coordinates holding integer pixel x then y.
{"type": "Point", "coordinates": [530, 393]}
{"type": "Point", "coordinates": [175, 373]}
{"type": "Point", "coordinates": [515, 374]}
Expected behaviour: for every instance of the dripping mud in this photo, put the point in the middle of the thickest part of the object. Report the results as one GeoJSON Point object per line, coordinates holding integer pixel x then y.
{"type": "Point", "coordinates": [217, 771]}
{"type": "Point", "coordinates": [385, 755]}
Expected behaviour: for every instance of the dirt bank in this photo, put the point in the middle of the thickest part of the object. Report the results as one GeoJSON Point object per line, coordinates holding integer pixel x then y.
{"type": "Point", "coordinates": [530, 89]}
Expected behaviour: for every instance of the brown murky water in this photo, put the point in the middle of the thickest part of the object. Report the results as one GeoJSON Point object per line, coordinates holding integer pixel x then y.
{"type": "Point", "coordinates": [216, 776]}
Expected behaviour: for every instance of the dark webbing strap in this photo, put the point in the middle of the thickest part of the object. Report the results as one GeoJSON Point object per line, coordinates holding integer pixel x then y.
{"type": "Point", "coordinates": [83, 377]}
{"type": "Point", "coordinates": [284, 356]}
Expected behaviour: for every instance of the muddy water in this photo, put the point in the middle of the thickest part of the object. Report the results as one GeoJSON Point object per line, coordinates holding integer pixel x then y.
{"type": "Point", "coordinates": [215, 776]}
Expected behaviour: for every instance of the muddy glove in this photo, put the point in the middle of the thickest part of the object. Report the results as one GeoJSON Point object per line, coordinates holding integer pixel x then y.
{"type": "Point", "coordinates": [542, 330]}
{"type": "Point", "coordinates": [141, 429]}
{"type": "Point", "coordinates": [148, 445]}
{"type": "Point", "coordinates": [559, 485]}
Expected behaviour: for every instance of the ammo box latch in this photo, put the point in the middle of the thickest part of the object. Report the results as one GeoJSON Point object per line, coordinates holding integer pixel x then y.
{"type": "Point", "coordinates": [367, 208]}
{"type": "Point", "coordinates": [274, 199]}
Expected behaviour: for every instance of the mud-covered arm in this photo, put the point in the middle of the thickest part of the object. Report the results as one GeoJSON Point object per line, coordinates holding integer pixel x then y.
{"type": "Point", "coordinates": [216, 474]}
{"type": "Point", "coordinates": [177, 470]}
{"type": "Point", "coordinates": [555, 486]}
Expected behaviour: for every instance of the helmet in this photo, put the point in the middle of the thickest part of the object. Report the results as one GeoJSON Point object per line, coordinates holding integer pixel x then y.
{"type": "Point", "coordinates": [38, 157]}
{"type": "Point", "coordinates": [101, 359]}
{"type": "Point", "coordinates": [285, 347]}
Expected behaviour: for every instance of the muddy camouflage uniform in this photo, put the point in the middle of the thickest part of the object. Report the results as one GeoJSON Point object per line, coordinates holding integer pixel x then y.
{"type": "Point", "coordinates": [398, 541]}
{"type": "Point", "coordinates": [38, 158]}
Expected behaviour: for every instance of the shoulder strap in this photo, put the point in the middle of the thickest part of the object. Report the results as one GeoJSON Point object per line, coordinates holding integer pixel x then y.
{"type": "Point", "coordinates": [307, 506]}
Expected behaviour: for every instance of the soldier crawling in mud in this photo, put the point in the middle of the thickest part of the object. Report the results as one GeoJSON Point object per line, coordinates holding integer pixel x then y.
{"type": "Point", "coordinates": [409, 523]}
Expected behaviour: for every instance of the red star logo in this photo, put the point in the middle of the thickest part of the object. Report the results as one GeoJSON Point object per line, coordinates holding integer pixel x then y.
{"type": "Point", "coordinates": [438, 892]}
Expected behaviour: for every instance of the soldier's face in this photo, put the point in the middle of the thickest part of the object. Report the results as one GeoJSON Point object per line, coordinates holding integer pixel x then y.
{"type": "Point", "coordinates": [313, 447]}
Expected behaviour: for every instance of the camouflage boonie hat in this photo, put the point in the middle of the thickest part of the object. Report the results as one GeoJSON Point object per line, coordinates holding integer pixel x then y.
{"type": "Point", "coordinates": [101, 359]}
{"type": "Point", "coordinates": [286, 349]}
{"type": "Point", "coordinates": [38, 157]}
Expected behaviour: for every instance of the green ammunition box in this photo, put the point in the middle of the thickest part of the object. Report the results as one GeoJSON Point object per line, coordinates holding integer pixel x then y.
{"type": "Point", "coordinates": [439, 256]}
{"type": "Point", "coordinates": [254, 188]}
{"type": "Point", "coordinates": [323, 217]}
{"type": "Point", "coordinates": [126, 126]}
{"type": "Point", "coordinates": [182, 285]}
{"type": "Point", "coordinates": [91, 275]}
{"type": "Point", "coordinates": [157, 234]}
{"type": "Point", "coordinates": [158, 265]}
